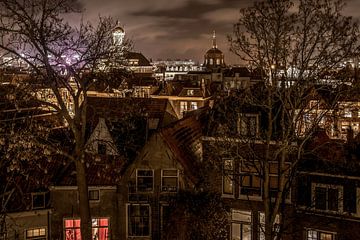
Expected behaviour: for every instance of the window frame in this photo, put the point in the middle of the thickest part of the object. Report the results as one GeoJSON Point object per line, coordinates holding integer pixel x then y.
{"type": "Point", "coordinates": [340, 202]}
{"type": "Point", "coordinates": [261, 226]}
{"type": "Point", "coordinates": [240, 121]}
{"type": "Point", "coordinates": [93, 190]}
{"type": "Point", "coordinates": [163, 176]}
{"type": "Point", "coordinates": [43, 194]}
{"type": "Point", "coordinates": [318, 234]}
{"type": "Point", "coordinates": [35, 237]}
{"type": "Point", "coordinates": [108, 237]}
{"type": "Point", "coordinates": [137, 184]}
{"type": "Point", "coordinates": [241, 223]}
{"type": "Point", "coordinates": [128, 220]}
{"type": "Point", "coordinates": [228, 174]}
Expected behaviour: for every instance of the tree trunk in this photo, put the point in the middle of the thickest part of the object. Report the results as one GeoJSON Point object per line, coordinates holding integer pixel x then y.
{"type": "Point", "coordinates": [84, 206]}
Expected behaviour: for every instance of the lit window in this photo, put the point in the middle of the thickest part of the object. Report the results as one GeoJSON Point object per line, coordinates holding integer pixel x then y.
{"type": "Point", "coordinates": [250, 182]}
{"type": "Point", "coordinates": [72, 229]}
{"type": "Point", "coordinates": [262, 225]}
{"type": "Point", "coordinates": [94, 195]}
{"type": "Point", "coordinates": [183, 107]}
{"type": "Point", "coordinates": [36, 233]}
{"type": "Point", "coordinates": [193, 105]}
{"type": "Point", "coordinates": [240, 225]}
{"type": "Point", "coordinates": [145, 180]}
{"type": "Point", "coordinates": [100, 229]}
{"type": "Point", "coordinates": [228, 174]}
{"type": "Point", "coordinates": [169, 180]}
{"type": "Point", "coordinates": [217, 61]}
{"type": "Point", "coordinates": [211, 61]}
{"type": "Point", "coordinates": [327, 197]}
{"type": "Point", "coordinates": [38, 200]}
{"type": "Point", "coordinates": [138, 220]}
{"type": "Point", "coordinates": [190, 92]}
{"type": "Point", "coordinates": [347, 112]}
{"type": "Point", "coordinates": [319, 235]}
{"type": "Point", "coordinates": [248, 125]}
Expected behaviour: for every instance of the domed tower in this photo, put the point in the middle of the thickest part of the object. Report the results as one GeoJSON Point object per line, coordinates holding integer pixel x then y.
{"type": "Point", "coordinates": [118, 35]}
{"type": "Point", "coordinates": [214, 58]}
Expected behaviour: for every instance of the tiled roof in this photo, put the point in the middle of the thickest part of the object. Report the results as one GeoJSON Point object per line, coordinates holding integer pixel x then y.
{"type": "Point", "coordinates": [183, 138]}
{"type": "Point", "coordinates": [115, 108]}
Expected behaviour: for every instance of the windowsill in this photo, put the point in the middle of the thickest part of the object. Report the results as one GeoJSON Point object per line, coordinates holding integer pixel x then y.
{"type": "Point", "coordinates": [224, 195]}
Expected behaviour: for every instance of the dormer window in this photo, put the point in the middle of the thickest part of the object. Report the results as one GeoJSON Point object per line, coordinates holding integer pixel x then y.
{"type": "Point", "coordinates": [38, 200]}
{"type": "Point", "coordinates": [190, 92]}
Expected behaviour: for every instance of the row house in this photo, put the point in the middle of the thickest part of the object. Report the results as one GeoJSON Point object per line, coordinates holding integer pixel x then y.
{"type": "Point", "coordinates": [338, 113]}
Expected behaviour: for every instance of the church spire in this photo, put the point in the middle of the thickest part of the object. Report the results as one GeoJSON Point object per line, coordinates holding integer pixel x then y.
{"type": "Point", "coordinates": [214, 40]}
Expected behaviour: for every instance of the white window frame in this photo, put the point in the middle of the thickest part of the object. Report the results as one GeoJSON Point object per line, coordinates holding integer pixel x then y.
{"type": "Point", "coordinates": [36, 237]}
{"type": "Point", "coordinates": [328, 186]}
{"type": "Point", "coordinates": [223, 177]}
{"type": "Point", "coordinates": [241, 222]}
{"type": "Point", "coordinates": [318, 232]}
{"type": "Point", "coordinates": [163, 176]}
{"type": "Point", "coordinates": [137, 175]}
{"type": "Point", "coordinates": [127, 220]}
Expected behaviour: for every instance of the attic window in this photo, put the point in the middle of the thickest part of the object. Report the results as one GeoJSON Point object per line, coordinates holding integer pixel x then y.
{"type": "Point", "coordinates": [101, 149]}
{"type": "Point", "coordinates": [38, 200]}
{"type": "Point", "coordinates": [190, 92]}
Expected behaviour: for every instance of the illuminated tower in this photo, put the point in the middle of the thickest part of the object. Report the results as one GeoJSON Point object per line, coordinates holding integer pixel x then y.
{"type": "Point", "coordinates": [118, 35]}
{"type": "Point", "coordinates": [214, 58]}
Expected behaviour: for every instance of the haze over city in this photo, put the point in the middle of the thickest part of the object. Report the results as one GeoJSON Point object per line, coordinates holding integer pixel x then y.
{"type": "Point", "coordinates": [179, 29]}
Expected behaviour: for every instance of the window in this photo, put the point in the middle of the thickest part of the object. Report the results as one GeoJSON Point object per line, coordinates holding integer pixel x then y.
{"type": "Point", "coordinates": [262, 225]}
{"type": "Point", "coordinates": [101, 149]}
{"type": "Point", "coordinates": [190, 92]}
{"type": "Point", "coordinates": [319, 235]}
{"type": "Point", "coordinates": [72, 229]}
{"type": "Point", "coordinates": [211, 61]}
{"type": "Point", "coordinates": [193, 105]}
{"type": "Point", "coordinates": [38, 200]}
{"type": "Point", "coordinates": [138, 220]}
{"type": "Point", "coordinates": [228, 174]}
{"type": "Point", "coordinates": [100, 229]}
{"type": "Point", "coordinates": [327, 197]}
{"type": "Point", "coordinates": [240, 225]}
{"type": "Point", "coordinates": [145, 180]}
{"type": "Point", "coordinates": [165, 217]}
{"type": "Point", "coordinates": [248, 125]}
{"type": "Point", "coordinates": [217, 61]}
{"type": "Point", "coordinates": [250, 182]}
{"type": "Point", "coordinates": [36, 233]}
{"type": "Point", "coordinates": [94, 195]}
{"type": "Point", "coordinates": [183, 107]}
{"type": "Point", "coordinates": [169, 180]}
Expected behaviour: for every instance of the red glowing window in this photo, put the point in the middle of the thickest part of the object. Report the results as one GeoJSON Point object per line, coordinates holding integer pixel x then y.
{"type": "Point", "coordinates": [100, 229]}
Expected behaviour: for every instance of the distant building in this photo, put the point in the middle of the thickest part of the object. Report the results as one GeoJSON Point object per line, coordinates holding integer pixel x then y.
{"type": "Point", "coordinates": [167, 69]}
{"type": "Point", "coordinates": [214, 58]}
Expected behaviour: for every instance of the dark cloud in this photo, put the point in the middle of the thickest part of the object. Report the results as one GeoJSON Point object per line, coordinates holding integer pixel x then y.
{"type": "Point", "coordinates": [177, 29]}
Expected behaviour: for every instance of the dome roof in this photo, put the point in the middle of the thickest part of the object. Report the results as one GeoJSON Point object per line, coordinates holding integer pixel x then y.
{"type": "Point", "coordinates": [118, 29]}
{"type": "Point", "coordinates": [214, 51]}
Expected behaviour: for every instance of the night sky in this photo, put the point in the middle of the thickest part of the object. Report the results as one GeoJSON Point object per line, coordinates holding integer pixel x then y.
{"type": "Point", "coordinates": [177, 29]}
